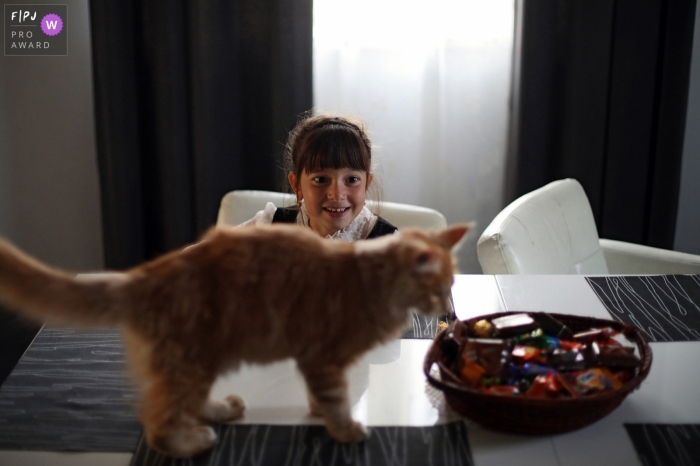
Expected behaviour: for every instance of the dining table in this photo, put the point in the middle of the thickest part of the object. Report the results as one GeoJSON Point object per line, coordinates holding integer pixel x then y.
{"type": "Point", "coordinates": [409, 420]}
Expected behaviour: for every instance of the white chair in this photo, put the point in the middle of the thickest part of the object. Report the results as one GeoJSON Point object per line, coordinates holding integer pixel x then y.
{"type": "Point", "coordinates": [239, 206]}
{"type": "Point", "coordinates": [552, 231]}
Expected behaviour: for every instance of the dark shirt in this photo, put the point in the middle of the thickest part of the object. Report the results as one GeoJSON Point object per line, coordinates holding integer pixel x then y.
{"type": "Point", "coordinates": [289, 215]}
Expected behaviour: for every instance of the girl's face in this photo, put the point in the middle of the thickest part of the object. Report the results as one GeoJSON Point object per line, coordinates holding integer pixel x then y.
{"type": "Point", "coordinates": [333, 197]}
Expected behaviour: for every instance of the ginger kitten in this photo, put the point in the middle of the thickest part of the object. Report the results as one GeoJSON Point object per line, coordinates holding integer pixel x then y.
{"type": "Point", "coordinates": [253, 295]}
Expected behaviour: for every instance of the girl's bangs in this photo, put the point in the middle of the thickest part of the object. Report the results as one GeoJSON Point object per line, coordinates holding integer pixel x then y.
{"type": "Point", "coordinates": [334, 148]}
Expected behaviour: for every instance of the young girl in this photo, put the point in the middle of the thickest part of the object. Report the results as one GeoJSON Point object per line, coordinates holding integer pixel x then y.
{"type": "Point", "coordinates": [329, 161]}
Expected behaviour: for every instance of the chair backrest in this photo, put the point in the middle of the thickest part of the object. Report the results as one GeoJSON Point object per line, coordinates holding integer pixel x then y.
{"type": "Point", "coordinates": [239, 206]}
{"type": "Point", "coordinates": [548, 231]}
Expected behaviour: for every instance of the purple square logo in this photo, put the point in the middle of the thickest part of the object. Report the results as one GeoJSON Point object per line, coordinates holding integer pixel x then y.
{"type": "Point", "coordinates": [36, 30]}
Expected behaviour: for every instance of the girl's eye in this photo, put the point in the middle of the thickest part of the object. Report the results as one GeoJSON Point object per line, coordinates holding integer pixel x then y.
{"type": "Point", "coordinates": [353, 179]}
{"type": "Point", "coordinates": [319, 179]}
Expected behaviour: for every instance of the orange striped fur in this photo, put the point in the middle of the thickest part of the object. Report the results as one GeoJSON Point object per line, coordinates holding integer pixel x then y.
{"type": "Point", "coordinates": [253, 295]}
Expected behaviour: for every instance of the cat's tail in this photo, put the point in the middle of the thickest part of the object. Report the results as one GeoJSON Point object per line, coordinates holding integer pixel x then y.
{"type": "Point", "coordinates": [46, 294]}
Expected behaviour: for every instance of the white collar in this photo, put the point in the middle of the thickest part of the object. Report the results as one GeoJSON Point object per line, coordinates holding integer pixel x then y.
{"type": "Point", "coordinates": [359, 228]}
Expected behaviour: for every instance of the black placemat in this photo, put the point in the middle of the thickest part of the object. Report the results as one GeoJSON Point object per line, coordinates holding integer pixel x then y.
{"type": "Point", "coordinates": [666, 444]}
{"type": "Point", "coordinates": [422, 327]}
{"type": "Point", "coordinates": [16, 334]}
{"type": "Point", "coordinates": [70, 392]}
{"type": "Point", "coordinates": [267, 445]}
{"type": "Point", "coordinates": [664, 307]}
{"type": "Point", "coordinates": [425, 328]}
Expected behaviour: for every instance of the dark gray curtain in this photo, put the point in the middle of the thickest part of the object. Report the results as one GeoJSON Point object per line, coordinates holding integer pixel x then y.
{"type": "Point", "coordinates": [192, 99]}
{"type": "Point", "coordinates": [603, 92]}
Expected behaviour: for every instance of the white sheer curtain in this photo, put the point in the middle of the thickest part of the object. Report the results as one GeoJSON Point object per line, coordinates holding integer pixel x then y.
{"type": "Point", "coordinates": [431, 79]}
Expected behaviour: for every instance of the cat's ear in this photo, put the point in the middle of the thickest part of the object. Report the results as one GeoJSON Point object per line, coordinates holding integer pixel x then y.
{"type": "Point", "coordinates": [426, 262]}
{"type": "Point", "coordinates": [451, 236]}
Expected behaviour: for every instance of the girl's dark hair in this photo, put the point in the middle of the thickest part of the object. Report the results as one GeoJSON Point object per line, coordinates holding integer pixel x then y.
{"type": "Point", "coordinates": [325, 141]}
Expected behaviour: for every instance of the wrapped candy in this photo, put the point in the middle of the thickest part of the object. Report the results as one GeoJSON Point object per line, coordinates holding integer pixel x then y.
{"type": "Point", "coordinates": [552, 326]}
{"type": "Point", "coordinates": [594, 334]}
{"type": "Point", "coordinates": [527, 369]}
{"type": "Point", "coordinates": [567, 360]}
{"type": "Point", "coordinates": [471, 372]}
{"type": "Point", "coordinates": [596, 379]}
{"type": "Point", "coordinates": [536, 355]}
{"type": "Point", "coordinates": [616, 383]}
{"type": "Point", "coordinates": [491, 354]}
{"type": "Point", "coordinates": [526, 337]}
{"type": "Point", "coordinates": [545, 385]}
{"type": "Point", "coordinates": [568, 385]}
{"type": "Point", "coordinates": [523, 353]}
{"type": "Point", "coordinates": [613, 356]}
{"type": "Point", "coordinates": [545, 342]}
{"type": "Point", "coordinates": [450, 346]}
{"type": "Point", "coordinates": [570, 345]}
{"type": "Point", "coordinates": [514, 324]}
{"type": "Point", "coordinates": [483, 329]}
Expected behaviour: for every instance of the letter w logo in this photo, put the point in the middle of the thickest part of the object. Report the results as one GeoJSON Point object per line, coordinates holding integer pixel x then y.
{"type": "Point", "coordinates": [51, 24]}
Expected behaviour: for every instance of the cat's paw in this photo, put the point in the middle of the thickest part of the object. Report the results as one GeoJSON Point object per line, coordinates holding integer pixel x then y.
{"type": "Point", "coordinates": [223, 411]}
{"type": "Point", "coordinates": [237, 405]}
{"type": "Point", "coordinates": [186, 442]}
{"type": "Point", "coordinates": [352, 433]}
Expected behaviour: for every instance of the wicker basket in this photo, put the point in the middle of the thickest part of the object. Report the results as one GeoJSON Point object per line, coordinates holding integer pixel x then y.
{"type": "Point", "coordinates": [522, 415]}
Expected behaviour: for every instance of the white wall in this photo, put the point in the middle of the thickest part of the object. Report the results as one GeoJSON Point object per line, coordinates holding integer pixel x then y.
{"type": "Point", "coordinates": [432, 82]}
{"type": "Point", "coordinates": [49, 190]}
{"type": "Point", "coordinates": [688, 219]}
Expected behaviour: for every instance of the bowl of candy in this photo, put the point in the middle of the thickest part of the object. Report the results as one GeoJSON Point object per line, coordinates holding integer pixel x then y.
{"type": "Point", "coordinates": [536, 372]}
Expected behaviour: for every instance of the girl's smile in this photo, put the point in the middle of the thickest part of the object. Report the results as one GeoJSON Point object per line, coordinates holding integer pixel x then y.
{"type": "Point", "coordinates": [336, 212]}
